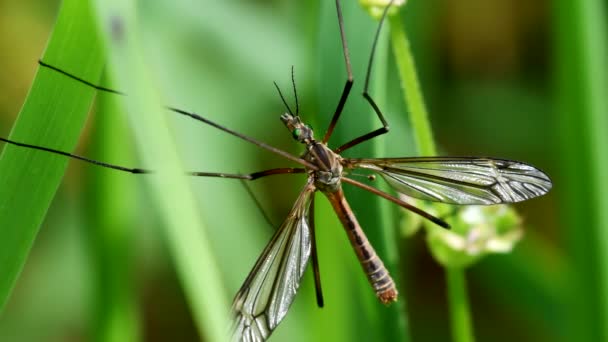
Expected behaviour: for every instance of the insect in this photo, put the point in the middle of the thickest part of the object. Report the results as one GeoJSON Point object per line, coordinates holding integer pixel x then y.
{"type": "Point", "coordinates": [268, 291]}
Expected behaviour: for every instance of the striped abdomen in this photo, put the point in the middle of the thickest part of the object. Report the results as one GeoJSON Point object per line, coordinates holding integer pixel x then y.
{"type": "Point", "coordinates": [376, 272]}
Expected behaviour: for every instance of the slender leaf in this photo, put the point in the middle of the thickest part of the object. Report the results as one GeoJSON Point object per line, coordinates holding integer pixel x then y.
{"type": "Point", "coordinates": [185, 234]}
{"type": "Point", "coordinates": [582, 85]}
{"type": "Point", "coordinates": [112, 209]}
{"type": "Point", "coordinates": [53, 116]}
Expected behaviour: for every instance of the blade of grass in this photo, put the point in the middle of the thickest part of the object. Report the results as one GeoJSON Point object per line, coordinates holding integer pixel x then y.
{"type": "Point", "coordinates": [457, 296]}
{"type": "Point", "coordinates": [53, 115]}
{"type": "Point", "coordinates": [395, 317]}
{"type": "Point", "coordinates": [580, 37]}
{"type": "Point", "coordinates": [186, 237]}
{"type": "Point", "coordinates": [111, 206]}
{"type": "Point", "coordinates": [460, 315]}
{"type": "Point", "coordinates": [412, 95]}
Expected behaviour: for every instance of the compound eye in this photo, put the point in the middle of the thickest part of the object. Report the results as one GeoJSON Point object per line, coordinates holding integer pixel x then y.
{"type": "Point", "coordinates": [296, 133]}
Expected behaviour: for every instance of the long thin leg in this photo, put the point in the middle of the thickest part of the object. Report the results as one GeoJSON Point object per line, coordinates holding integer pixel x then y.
{"type": "Point", "coordinates": [313, 239]}
{"type": "Point", "coordinates": [249, 176]}
{"type": "Point", "coordinates": [256, 142]}
{"type": "Point", "coordinates": [257, 203]}
{"type": "Point", "coordinates": [81, 80]}
{"type": "Point", "coordinates": [315, 257]}
{"type": "Point", "coordinates": [385, 128]}
{"type": "Point", "coordinates": [399, 202]}
{"type": "Point", "coordinates": [70, 155]}
{"type": "Point", "coordinates": [349, 80]}
{"type": "Point", "coordinates": [197, 117]}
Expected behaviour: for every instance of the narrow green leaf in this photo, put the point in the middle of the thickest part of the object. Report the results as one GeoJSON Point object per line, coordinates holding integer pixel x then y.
{"type": "Point", "coordinates": [387, 234]}
{"type": "Point", "coordinates": [186, 237]}
{"type": "Point", "coordinates": [582, 85]}
{"type": "Point", "coordinates": [462, 330]}
{"type": "Point", "coordinates": [460, 312]}
{"type": "Point", "coordinates": [412, 93]}
{"type": "Point", "coordinates": [53, 116]}
{"type": "Point", "coordinates": [112, 210]}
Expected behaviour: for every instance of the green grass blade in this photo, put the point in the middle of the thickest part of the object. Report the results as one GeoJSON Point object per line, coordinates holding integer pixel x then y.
{"type": "Point", "coordinates": [53, 116]}
{"type": "Point", "coordinates": [412, 93]}
{"type": "Point", "coordinates": [185, 235]}
{"type": "Point", "coordinates": [460, 312]}
{"type": "Point", "coordinates": [582, 69]}
{"type": "Point", "coordinates": [456, 282]}
{"type": "Point", "coordinates": [112, 208]}
{"type": "Point", "coordinates": [387, 234]}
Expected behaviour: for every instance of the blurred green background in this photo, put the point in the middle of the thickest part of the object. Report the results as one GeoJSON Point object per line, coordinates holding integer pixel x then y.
{"type": "Point", "coordinates": [503, 78]}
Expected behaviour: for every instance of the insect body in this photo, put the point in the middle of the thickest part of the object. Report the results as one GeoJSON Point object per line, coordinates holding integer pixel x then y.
{"type": "Point", "coordinates": [269, 289]}
{"type": "Point", "coordinates": [266, 294]}
{"type": "Point", "coordinates": [328, 180]}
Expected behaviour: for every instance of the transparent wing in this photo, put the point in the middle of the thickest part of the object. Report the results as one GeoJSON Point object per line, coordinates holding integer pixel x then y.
{"type": "Point", "coordinates": [460, 180]}
{"type": "Point", "coordinates": [263, 300]}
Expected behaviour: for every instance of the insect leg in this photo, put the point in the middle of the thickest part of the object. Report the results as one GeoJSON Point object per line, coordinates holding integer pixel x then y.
{"type": "Point", "coordinates": [249, 176]}
{"type": "Point", "coordinates": [81, 80]}
{"type": "Point", "coordinates": [315, 257]}
{"type": "Point", "coordinates": [385, 128]}
{"type": "Point", "coordinates": [71, 155]}
{"type": "Point", "coordinates": [349, 80]}
{"type": "Point", "coordinates": [197, 117]}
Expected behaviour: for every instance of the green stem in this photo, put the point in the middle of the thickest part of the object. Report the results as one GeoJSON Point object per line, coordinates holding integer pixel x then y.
{"type": "Point", "coordinates": [397, 316]}
{"type": "Point", "coordinates": [111, 230]}
{"type": "Point", "coordinates": [186, 237]}
{"type": "Point", "coordinates": [458, 300]}
{"type": "Point", "coordinates": [460, 313]}
{"type": "Point", "coordinates": [423, 136]}
{"type": "Point", "coordinates": [581, 51]}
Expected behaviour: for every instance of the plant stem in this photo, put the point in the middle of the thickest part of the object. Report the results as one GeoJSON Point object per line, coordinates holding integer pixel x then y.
{"type": "Point", "coordinates": [581, 103]}
{"type": "Point", "coordinates": [412, 95]}
{"type": "Point", "coordinates": [459, 307]}
{"type": "Point", "coordinates": [110, 230]}
{"type": "Point", "coordinates": [186, 238]}
{"type": "Point", "coordinates": [460, 313]}
{"type": "Point", "coordinates": [396, 317]}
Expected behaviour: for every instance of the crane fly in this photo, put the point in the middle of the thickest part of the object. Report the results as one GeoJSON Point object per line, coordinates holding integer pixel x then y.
{"type": "Point", "coordinates": [268, 291]}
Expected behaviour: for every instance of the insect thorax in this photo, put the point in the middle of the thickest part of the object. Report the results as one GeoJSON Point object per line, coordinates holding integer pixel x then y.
{"type": "Point", "coordinates": [327, 177]}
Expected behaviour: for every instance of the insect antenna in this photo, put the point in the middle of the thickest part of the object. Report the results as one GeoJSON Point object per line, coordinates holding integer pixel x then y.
{"type": "Point", "coordinates": [282, 98]}
{"type": "Point", "coordinates": [295, 92]}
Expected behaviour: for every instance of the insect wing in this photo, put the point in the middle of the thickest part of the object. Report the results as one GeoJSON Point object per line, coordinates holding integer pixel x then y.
{"type": "Point", "coordinates": [460, 180]}
{"type": "Point", "coordinates": [263, 300]}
